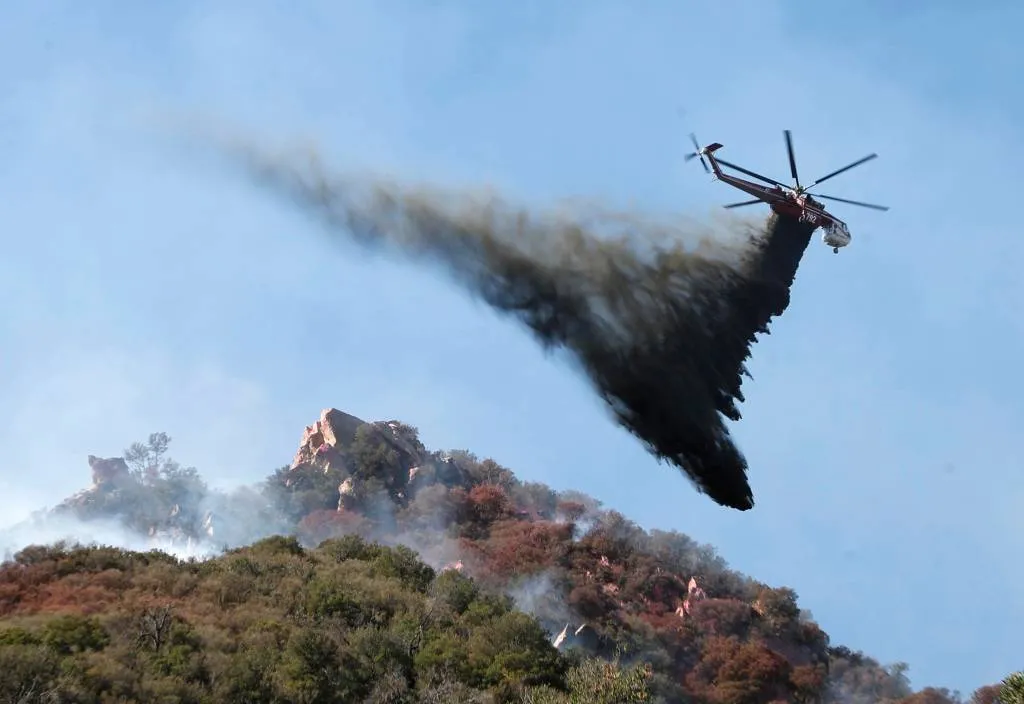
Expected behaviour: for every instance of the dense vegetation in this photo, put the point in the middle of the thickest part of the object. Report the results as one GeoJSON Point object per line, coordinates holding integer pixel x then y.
{"type": "Point", "coordinates": [339, 609]}
{"type": "Point", "coordinates": [273, 622]}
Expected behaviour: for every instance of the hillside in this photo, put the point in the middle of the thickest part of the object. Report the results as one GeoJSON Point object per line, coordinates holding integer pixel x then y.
{"type": "Point", "coordinates": [406, 576]}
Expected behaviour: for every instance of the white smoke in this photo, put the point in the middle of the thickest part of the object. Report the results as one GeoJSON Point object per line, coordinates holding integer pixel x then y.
{"type": "Point", "coordinates": [57, 528]}
{"type": "Point", "coordinates": [232, 519]}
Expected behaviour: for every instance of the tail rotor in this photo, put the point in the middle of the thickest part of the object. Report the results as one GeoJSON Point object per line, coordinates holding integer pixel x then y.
{"type": "Point", "coordinates": [697, 153]}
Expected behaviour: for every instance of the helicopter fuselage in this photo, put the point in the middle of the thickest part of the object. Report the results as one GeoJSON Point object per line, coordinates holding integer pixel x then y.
{"type": "Point", "coordinates": [787, 201]}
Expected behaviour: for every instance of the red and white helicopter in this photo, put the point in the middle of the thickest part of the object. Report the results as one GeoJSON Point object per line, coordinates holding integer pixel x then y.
{"type": "Point", "coordinates": [790, 201]}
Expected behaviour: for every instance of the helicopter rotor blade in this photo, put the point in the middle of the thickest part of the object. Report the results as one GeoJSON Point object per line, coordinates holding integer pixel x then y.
{"type": "Point", "coordinates": [846, 168]}
{"type": "Point", "coordinates": [696, 148]}
{"type": "Point", "coordinates": [854, 202]}
{"type": "Point", "coordinates": [696, 153]}
{"type": "Point", "coordinates": [746, 202]}
{"type": "Point", "coordinates": [751, 173]}
{"type": "Point", "coordinates": [792, 158]}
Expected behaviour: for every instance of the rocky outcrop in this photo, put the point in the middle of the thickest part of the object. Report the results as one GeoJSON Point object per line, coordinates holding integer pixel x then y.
{"type": "Point", "coordinates": [346, 494]}
{"type": "Point", "coordinates": [110, 472]}
{"type": "Point", "coordinates": [327, 446]}
{"type": "Point", "coordinates": [323, 443]}
{"type": "Point", "coordinates": [439, 470]}
{"type": "Point", "coordinates": [168, 510]}
{"type": "Point", "coordinates": [694, 594]}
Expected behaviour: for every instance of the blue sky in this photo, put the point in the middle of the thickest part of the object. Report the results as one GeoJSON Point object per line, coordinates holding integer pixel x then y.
{"type": "Point", "coordinates": [144, 290]}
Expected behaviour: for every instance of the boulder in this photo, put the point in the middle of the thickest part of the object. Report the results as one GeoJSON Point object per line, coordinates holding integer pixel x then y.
{"type": "Point", "coordinates": [323, 443]}
{"type": "Point", "coordinates": [108, 472]}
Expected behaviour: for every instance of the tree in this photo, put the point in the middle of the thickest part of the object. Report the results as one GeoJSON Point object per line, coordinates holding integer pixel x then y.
{"type": "Point", "coordinates": [735, 672]}
{"type": "Point", "coordinates": [778, 609]}
{"type": "Point", "coordinates": [513, 648]}
{"type": "Point", "coordinates": [164, 495]}
{"type": "Point", "coordinates": [808, 683]}
{"type": "Point", "coordinates": [572, 511]}
{"type": "Point", "coordinates": [535, 497]}
{"type": "Point", "coordinates": [454, 590]}
{"type": "Point", "coordinates": [482, 506]}
{"type": "Point", "coordinates": [1011, 690]}
{"type": "Point", "coordinates": [28, 673]}
{"type": "Point", "coordinates": [404, 565]}
{"type": "Point", "coordinates": [374, 457]}
{"type": "Point", "coordinates": [726, 617]}
{"type": "Point", "coordinates": [312, 670]}
{"type": "Point", "coordinates": [74, 634]}
{"type": "Point", "coordinates": [989, 694]}
{"type": "Point", "coordinates": [146, 459]}
{"type": "Point", "coordinates": [597, 682]}
{"type": "Point", "coordinates": [154, 627]}
{"type": "Point", "coordinates": [354, 620]}
{"type": "Point", "coordinates": [517, 547]}
{"type": "Point", "coordinates": [300, 491]}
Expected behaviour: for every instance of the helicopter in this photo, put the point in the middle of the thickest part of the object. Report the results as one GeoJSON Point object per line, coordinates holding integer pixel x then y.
{"type": "Point", "coordinates": [788, 201]}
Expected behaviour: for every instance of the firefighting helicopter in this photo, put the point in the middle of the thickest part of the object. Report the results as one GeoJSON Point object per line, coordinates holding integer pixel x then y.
{"type": "Point", "coordinates": [790, 201]}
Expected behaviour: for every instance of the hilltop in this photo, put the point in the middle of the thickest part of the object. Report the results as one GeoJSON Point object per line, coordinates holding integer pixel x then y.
{"type": "Point", "coordinates": [373, 569]}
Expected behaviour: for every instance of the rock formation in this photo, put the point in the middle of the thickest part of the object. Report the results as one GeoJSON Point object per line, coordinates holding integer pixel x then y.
{"type": "Point", "coordinates": [324, 441]}
{"type": "Point", "coordinates": [327, 447]}
{"type": "Point", "coordinates": [108, 472]}
{"type": "Point", "coordinates": [693, 594]}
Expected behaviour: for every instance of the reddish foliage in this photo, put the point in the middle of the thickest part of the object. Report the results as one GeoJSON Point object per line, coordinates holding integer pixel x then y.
{"type": "Point", "coordinates": [116, 580]}
{"type": "Point", "coordinates": [808, 682]}
{"type": "Point", "coordinates": [662, 588]}
{"type": "Point", "coordinates": [480, 507]}
{"type": "Point", "coordinates": [665, 622]}
{"type": "Point", "coordinates": [725, 617]}
{"type": "Point", "coordinates": [989, 694]}
{"type": "Point", "coordinates": [28, 590]}
{"type": "Point", "coordinates": [26, 576]}
{"type": "Point", "coordinates": [488, 503]}
{"type": "Point", "coordinates": [811, 635]}
{"type": "Point", "coordinates": [571, 510]}
{"type": "Point", "coordinates": [600, 542]}
{"type": "Point", "coordinates": [20, 585]}
{"type": "Point", "coordinates": [66, 596]}
{"type": "Point", "coordinates": [591, 602]}
{"type": "Point", "coordinates": [523, 547]}
{"type": "Point", "coordinates": [623, 583]}
{"type": "Point", "coordinates": [726, 650]}
{"type": "Point", "coordinates": [11, 594]}
{"type": "Point", "coordinates": [778, 609]}
{"type": "Point", "coordinates": [325, 524]}
{"type": "Point", "coordinates": [735, 672]}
